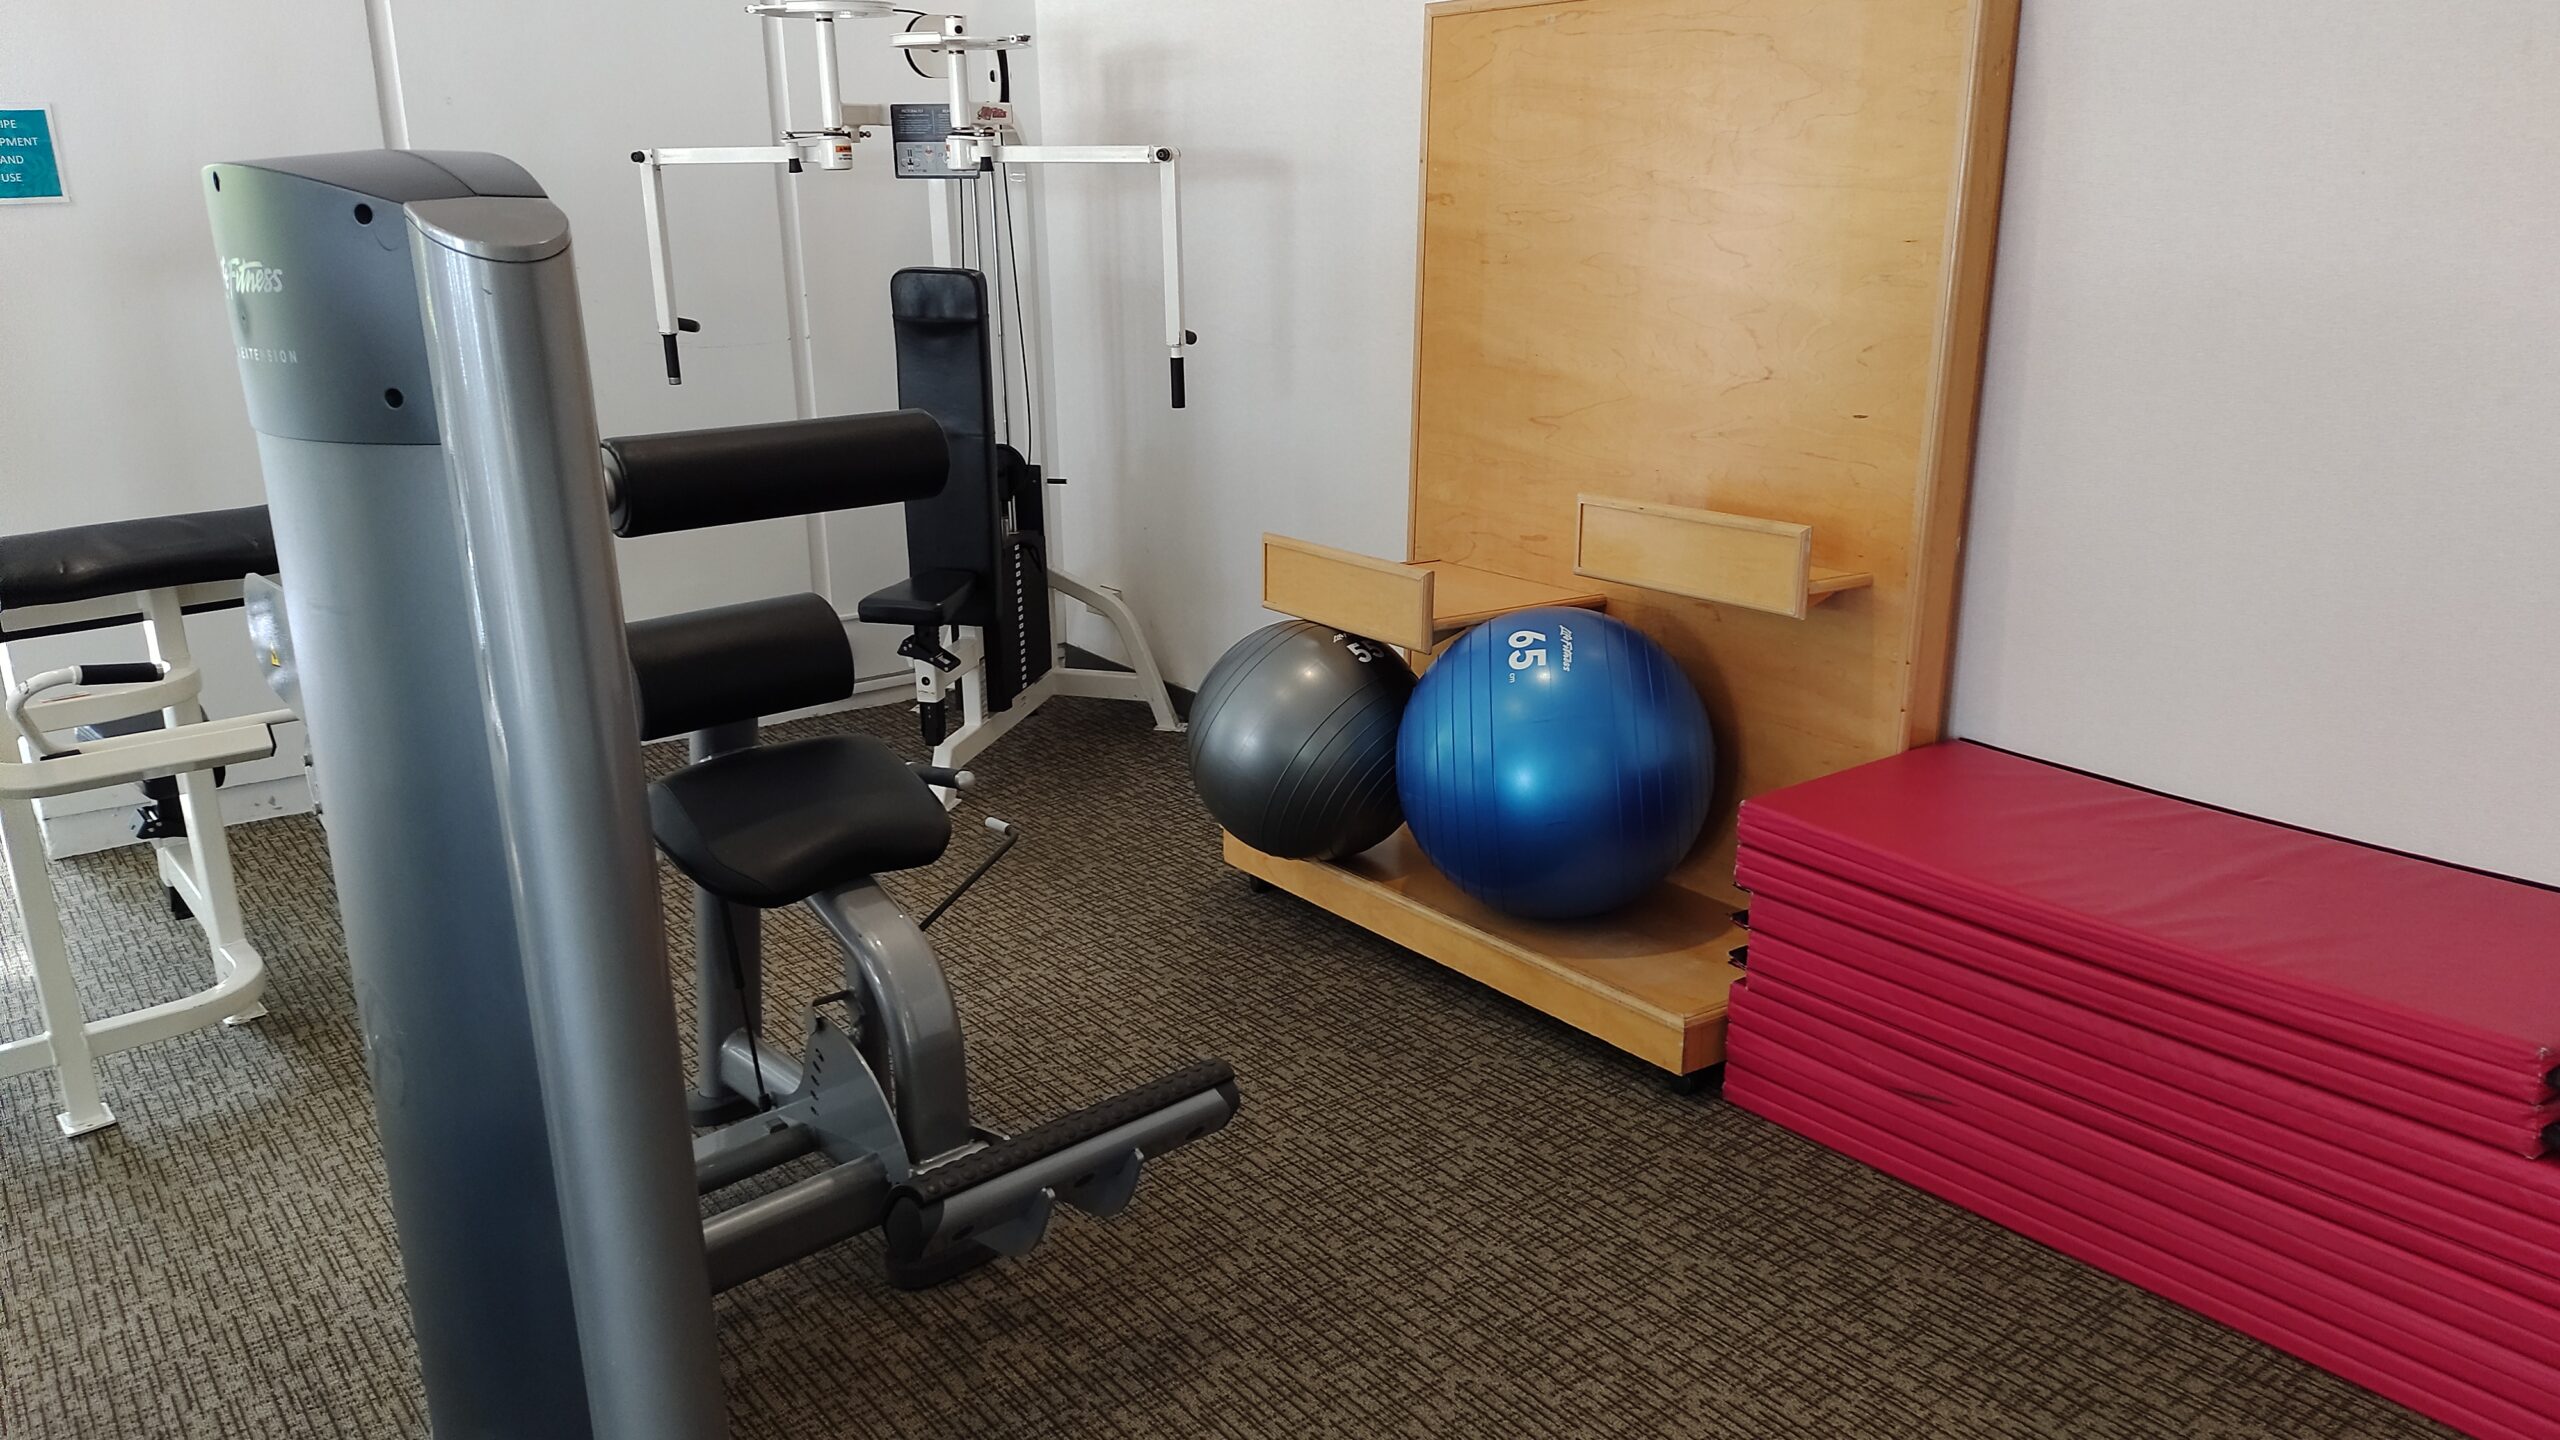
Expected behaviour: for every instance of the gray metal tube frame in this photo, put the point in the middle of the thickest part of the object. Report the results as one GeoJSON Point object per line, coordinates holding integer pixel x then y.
{"type": "Point", "coordinates": [514, 404]}
{"type": "Point", "coordinates": [723, 931]}
{"type": "Point", "coordinates": [914, 1028]}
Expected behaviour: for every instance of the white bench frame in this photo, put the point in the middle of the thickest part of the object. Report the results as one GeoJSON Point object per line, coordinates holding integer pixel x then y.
{"type": "Point", "coordinates": [196, 867]}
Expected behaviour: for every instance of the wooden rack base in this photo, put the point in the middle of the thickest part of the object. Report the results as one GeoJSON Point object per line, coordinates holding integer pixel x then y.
{"type": "Point", "coordinates": [1651, 979]}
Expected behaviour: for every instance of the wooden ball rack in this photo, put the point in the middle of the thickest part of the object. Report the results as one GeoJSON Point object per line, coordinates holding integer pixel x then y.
{"type": "Point", "coordinates": [1702, 303]}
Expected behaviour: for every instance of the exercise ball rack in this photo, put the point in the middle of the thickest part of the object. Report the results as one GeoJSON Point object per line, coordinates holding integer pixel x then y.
{"type": "Point", "coordinates": [1703, 302]}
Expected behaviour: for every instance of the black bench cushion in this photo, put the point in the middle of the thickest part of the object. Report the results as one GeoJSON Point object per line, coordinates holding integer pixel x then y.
{"type": "Point", "coordinates": [92, 562]}
{"type": "Point", "coordinates": [775, 824]}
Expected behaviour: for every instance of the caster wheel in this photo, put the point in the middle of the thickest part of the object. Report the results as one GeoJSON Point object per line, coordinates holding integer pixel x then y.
{"type": "Point", "coordinates": [1258, 885]}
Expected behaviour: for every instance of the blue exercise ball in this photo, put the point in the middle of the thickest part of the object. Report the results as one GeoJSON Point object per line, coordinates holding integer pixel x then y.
{"type": "Point", "coordinates": [1555, 763]}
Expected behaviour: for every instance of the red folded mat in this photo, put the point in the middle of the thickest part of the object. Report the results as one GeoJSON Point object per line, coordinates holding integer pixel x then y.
{"type": "Point", "coordinates": [2455, 1114]}
{"type": "Point", "coordinates": [2497, 1093]}
{"type": "Point", "coordinates": [2491, 1338]}
{"type": "Point", "coordinates": [2502, 1204]}
{"type": "Point", "coordinates": [2308, 1315]}
{"type": "Point", "coordinates": [2422, 962]}
{"type": "Point", "coordinates": [2136, 1254]}
{"type": "Point", "coordinates": [2511, 1280]}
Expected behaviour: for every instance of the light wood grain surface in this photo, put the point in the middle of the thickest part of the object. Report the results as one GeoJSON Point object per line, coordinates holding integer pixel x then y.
{"type": "Point", "coordinates": [1727, 256]}
{"type": "Point", "coordinates": [1706, 555]}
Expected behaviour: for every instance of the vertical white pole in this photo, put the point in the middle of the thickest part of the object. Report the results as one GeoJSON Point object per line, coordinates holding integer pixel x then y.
{"type": "Point", "coordinates": [830, 87]}
{"type": "Point", "coordinates": [662, 266]}
{"type": "Point", "coordinates": [795, 262]}
{"type": "Point", "coordinates": [206, 852]}
{"type": "Point", "coordinates": [75, 1070]}
{"type": "Point", "coordinates": [956, 72]}
{"type": "Point", "coordinates": [1169, 201]}
{"type": "Point", "coordinates": [391, 103]}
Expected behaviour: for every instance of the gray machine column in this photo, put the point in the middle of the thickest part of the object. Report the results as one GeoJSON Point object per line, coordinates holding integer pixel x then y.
{"type": "Point", "coordinates": [517, 409]}
{"type": "Point", "coordinates": [549, 1296]}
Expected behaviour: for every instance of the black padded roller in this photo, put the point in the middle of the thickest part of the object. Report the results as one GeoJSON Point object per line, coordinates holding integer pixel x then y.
{"type": "Point", "coordinates": [738, 662]}
{"type": "Point", "coordinates": [694, 479]}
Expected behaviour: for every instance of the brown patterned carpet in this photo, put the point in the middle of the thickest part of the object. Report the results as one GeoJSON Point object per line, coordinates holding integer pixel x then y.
{"type": "Point", "coordinates": [1439, 1214]}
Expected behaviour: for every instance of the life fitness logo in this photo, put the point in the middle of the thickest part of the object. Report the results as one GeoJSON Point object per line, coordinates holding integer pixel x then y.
{"type": "Point", "coordinates": [251, 277]}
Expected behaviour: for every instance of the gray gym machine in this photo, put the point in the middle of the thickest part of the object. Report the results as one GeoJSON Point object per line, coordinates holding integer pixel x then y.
{"type": "Point", "coordinates": [409, 339]}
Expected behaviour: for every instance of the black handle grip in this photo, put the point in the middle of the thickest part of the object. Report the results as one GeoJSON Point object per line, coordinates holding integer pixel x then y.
{"type": "Point", "coordinates": [693, 479]}
{"type": "Point", "coordinates": [130, 672]}
{"type": "Point", "coordinates": [675, 370]}
{"type": "Point", "coordinates": [1178, 397]}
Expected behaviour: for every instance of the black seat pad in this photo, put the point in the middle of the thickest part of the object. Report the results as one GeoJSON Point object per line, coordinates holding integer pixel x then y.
{"type": "Point", "coordinates": [936, 598]}
{"type": "Point", "coordinates": [775, 824]}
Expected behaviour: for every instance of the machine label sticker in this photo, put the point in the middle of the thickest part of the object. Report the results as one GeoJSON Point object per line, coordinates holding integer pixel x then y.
{"type": "Point", "coordinates": [1366, 652]}
{"type": "Point", "coordinates": [30, 168]}
{"type": "Point", "coordinates": [1529, 650]}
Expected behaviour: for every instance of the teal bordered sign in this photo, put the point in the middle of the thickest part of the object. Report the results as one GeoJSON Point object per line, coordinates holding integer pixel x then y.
{"type": "Point", "coordinates": [30, 165]}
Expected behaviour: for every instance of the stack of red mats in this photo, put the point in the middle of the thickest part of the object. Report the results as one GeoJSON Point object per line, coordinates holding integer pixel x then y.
{"type": "Point", "coordinates": [2299, 1085]}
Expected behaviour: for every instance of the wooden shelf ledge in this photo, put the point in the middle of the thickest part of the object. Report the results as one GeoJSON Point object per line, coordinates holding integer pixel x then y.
{"type": "Point", "coordinates": [1705, 555]}
{"type": "Point", "coordinates": [1652, 979]}
{"type": "Point", "coordinates": [1414, 605]}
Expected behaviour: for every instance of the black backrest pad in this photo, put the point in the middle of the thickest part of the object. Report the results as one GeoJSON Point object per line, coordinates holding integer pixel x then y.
{"type": "Point", "coordinates": [691, 479]}
{"type": "Point", "coordinates": [738, 662]}
{"type": "Point", "coordinates": [939, 317]}
{"type": "Point", "coordinates": [90, 562]}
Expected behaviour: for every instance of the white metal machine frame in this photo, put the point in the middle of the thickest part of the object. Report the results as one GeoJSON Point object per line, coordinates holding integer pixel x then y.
{"type": "Point", "coordinates": [196, 867]}
{"type": "Point", "coordinates": [984, 141]}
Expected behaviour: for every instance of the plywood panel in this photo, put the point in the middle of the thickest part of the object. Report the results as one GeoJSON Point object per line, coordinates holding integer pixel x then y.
{"type": "Point", "coordinates": [1732, 256]}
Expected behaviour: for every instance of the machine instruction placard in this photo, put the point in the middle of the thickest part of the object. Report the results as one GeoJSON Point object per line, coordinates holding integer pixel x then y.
{"type": "Point", "coordinates": [30, 168]}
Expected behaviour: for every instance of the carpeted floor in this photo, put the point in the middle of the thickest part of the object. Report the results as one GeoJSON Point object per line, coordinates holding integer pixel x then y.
{"type": "Point", "coordinates": [1439, 1215]}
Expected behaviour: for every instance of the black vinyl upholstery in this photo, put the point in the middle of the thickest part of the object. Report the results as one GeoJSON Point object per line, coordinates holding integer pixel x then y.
{"type": "Point", "coordinates": [775, 824]}
{"type": "Point", "coordinates": [91, 562]}
{"type": "Point", "coordinates": [985, 526]}
{"type": "Point", "coordinates": [944, 370]}
{"type": "Point", "coordinates": [935, 598]}
{"type": "Point", "coordinates": [738, 662]}
{"type": "Point", "coordinates": [693, 479]}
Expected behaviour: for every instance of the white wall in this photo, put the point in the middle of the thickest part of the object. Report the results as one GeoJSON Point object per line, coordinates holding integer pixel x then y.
{"type": "Point", "coordinates": [1300, 127]}
{"type": "Point", "coordinates": [2268, 491]}
{"type": "Point", "coordinates": [118, 395]}
{"type": "Point", "coordinates": [568, 94]}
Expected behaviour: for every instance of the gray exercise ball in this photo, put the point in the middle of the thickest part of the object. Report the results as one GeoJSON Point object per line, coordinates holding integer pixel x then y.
{"type": "Point", "coordinates": [1293, 740]}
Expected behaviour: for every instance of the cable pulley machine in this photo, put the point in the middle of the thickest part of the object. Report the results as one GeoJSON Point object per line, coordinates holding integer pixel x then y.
{"type": "Point", "coordinates": [981, 641]}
